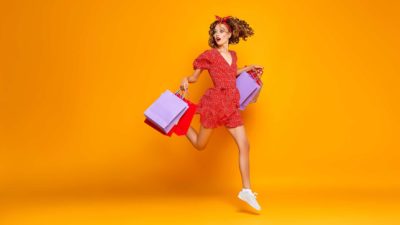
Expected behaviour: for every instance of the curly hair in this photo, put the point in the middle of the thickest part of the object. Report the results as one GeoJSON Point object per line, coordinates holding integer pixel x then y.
{"type": "Point", "coordinates": [239, 29]}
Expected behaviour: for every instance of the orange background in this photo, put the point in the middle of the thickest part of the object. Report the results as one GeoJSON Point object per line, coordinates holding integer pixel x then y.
{"type": "Point", "coordinates": [76, 77]}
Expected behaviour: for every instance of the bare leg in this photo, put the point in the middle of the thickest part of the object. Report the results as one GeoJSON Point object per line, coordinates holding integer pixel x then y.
{"type": "Point", "coordinates": [200, 140]}
{"type": "Point", "coordinates": [239, 134]}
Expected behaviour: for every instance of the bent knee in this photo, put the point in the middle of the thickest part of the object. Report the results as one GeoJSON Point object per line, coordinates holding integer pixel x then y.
{"type": "Point", "coordinates": [201, 146]}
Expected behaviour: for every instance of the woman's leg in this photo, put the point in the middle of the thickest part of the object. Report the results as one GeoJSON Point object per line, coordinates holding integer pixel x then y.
{"type": "Point", "coordinates": [199, 140]}
{"type": "Point", "coordinates": [239, 134]}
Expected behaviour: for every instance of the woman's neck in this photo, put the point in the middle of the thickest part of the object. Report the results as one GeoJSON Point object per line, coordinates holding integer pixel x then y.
{"type": "Point", "coordinates": [223, 48]}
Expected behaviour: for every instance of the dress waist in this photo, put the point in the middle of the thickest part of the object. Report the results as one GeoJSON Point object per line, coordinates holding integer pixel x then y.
{"type": "Point", "coordinates": [225, 87]}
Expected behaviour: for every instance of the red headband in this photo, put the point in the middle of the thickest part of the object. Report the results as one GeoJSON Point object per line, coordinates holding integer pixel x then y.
{"type": "Point", "coordinates": [223, 20]}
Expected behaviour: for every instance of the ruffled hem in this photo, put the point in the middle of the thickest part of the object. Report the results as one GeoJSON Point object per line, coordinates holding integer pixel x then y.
{"type": "Point", "coordinates": [215, 111]}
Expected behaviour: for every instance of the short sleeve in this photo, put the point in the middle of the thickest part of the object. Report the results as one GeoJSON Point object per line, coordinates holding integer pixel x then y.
{"type": "Point", "coordinates": [203, 61]}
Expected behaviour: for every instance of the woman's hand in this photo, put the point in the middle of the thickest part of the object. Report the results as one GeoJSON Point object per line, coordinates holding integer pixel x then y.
{"type": "Point", "coordinates": [254, 67]}
{"type": "Point", "coordinates": [184, 84]}
{"type": "Point", "coordinates": [257, 69]}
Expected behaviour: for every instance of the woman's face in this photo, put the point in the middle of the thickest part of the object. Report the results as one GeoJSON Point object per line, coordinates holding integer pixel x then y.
{"type": "Point", "coordinates": [221, 34]}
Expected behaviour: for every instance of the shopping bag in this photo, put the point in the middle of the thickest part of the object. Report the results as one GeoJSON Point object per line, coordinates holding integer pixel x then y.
{"type": "Point", "coordinates": [249, 85]}
{"type": "Point", "coordinates": [256, 75]}
{"type": "Point", "coordinates": [164, 113]}
{"type": "Point", "coordinates": [184, 122]}
{"type": "Point", "coordinates": [148, 122]}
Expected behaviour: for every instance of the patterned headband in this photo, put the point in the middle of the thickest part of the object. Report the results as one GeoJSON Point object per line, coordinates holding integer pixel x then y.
{"type": "Point", "coordinates": [224, 21]}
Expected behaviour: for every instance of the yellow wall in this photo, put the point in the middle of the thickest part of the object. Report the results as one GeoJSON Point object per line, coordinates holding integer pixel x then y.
{"type": "Point", "coordinates": [76, 77]}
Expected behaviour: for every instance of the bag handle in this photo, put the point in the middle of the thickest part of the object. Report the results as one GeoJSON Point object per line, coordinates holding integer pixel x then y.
{"type": "Point", "coordinates": [258, 79]}
{"type": "Point", "coordinates": [182, 95]}
{"type": "Point", "coordinates": [257, 75]}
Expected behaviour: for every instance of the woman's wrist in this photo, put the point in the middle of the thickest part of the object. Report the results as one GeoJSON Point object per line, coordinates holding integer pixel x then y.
{"type": "Point", "coordinates": [247, 68]}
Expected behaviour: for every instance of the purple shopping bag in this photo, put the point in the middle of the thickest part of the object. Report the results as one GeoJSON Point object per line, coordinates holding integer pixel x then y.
{"type": "Point", "coordinates": [166, 111]}
{"type": "Point", "coordinates": [248, 89]}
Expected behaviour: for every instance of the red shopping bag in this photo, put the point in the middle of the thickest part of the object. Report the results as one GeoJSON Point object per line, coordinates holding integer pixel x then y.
{"type": "Point", "coordinates": [184, 123]}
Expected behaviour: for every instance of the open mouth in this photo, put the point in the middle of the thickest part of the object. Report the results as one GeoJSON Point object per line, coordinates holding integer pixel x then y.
{"type": "Point", "coordinates": [217, 39]}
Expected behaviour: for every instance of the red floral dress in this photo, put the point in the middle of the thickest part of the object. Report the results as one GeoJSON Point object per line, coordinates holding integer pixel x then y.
{"type": "Point", "coordinates": [220, 104]}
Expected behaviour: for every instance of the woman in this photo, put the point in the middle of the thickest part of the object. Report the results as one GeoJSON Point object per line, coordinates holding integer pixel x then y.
{"type": "Point", "coordinates": [220, 104]}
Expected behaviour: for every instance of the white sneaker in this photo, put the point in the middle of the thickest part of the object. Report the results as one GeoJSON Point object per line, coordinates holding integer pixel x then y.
{"type": "Point", "coordinates": [249, 197]}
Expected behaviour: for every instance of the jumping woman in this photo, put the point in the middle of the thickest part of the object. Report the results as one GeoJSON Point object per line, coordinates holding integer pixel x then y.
{"type": "Point", "coordinates": [219, 106]}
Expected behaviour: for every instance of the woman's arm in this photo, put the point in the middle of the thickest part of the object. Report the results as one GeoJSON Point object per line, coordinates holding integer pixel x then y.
{"type": "Point", "coordinates": [190, 79]}
{"type": "Point", "coordinates": [241, 70]}
{"type": "Point", "coordinates": [247, 68]}
{"type": "Point", "coordinates": [195, 76]}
